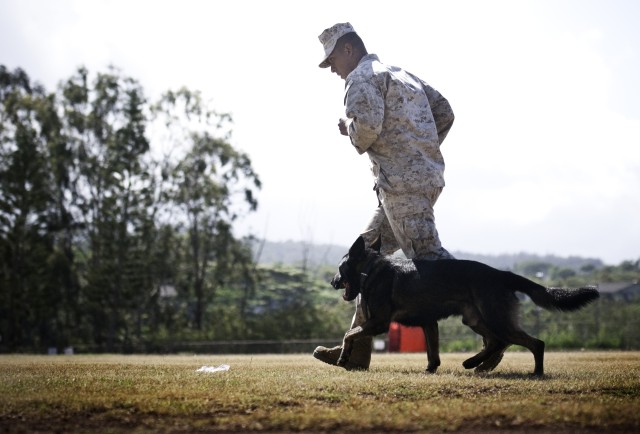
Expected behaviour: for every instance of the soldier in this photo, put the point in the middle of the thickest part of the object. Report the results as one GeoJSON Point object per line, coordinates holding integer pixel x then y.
{"type": "Point", "coordinates": [400, 122]}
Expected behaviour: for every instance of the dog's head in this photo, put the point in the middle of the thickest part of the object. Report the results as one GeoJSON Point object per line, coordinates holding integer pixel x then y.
{"type": "Point", "coordinates": [350, 269]}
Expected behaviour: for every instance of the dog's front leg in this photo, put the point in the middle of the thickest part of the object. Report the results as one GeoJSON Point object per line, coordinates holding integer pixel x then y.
{"type": "Point", "coordinates": [347, 345]}
{"type": "Point", "coordinates": [432, 338]}
{"type": "Point", "coordinates": [371, 327]}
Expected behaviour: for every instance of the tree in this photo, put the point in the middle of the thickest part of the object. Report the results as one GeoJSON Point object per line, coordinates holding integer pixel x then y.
{"type": "Point", "coordinates": [105, 125]}
{"type": "Point", "coordinates": [28, 301]}
{"type": "Point", "coordinates": [205, 182]}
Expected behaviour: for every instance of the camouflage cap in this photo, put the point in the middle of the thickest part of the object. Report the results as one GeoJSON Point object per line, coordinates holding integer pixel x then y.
{"type": "Point", "coordinates": [330, 36]}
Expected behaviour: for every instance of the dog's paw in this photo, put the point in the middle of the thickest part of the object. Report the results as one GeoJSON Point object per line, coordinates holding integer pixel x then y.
{"type": "Point", "coordinates": [490, 364]}
{"type": "Point", "coordinates": [432, 366]}
{"type": "Point", "coordinates": [471, 363]}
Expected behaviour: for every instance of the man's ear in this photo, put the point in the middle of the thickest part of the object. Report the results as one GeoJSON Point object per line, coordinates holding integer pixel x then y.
{"type": "Point", "coordinates": [348, 48]}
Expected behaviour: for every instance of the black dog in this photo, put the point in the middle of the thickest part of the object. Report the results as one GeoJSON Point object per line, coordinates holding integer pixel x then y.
{"type": "Point", "coordinates": [421, 292]}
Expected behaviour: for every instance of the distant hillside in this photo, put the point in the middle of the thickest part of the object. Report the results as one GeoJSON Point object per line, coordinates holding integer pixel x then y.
{"type": "Point", "coordinates": [508, 261]}
{"type": "Point", "coordinates": [297, 252]}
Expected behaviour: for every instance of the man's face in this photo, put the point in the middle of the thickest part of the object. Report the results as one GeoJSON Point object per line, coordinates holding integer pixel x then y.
{"type": "Point", "coordinates": [341, 60]}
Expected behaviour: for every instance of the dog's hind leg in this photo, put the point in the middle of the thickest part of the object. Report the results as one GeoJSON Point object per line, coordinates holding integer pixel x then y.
{"type": "Point", "coordinates": [536, 346]}
{"type": "Point", "coordinates": [489, 357]}
{"type": "Point", "coordinates": [432, 338]}
{"type": "Point", "coordinates": [492, 346]}
{"type": "Point", "coordinates": [492, 359]}
{"type": "Point", "coordinates": [472, 318]}
{"type": "Point", "coordinates": [508, 331]}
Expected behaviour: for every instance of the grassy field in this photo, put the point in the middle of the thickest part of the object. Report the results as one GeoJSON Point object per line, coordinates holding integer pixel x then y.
{"type": "Point", "coordinates": [581, 392]}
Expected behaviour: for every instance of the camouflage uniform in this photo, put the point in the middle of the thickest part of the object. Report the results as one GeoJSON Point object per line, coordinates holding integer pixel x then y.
{"type": "Point", "coordinates": [400, 122]}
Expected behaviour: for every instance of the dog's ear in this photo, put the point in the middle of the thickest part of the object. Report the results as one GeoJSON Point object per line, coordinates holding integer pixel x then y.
{"type": "Point", "coordinates": [377, 243]}
{"type": "Point", "coordinates": [357, 249]}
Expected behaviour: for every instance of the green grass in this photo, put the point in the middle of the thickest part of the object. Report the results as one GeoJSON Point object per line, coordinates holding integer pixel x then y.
{"type": "Point", "coordinates": [581, 392]}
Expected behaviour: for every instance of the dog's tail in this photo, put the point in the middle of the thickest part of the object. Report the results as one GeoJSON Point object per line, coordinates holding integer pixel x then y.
{"type": "Point", "coordinates": [563, 299]}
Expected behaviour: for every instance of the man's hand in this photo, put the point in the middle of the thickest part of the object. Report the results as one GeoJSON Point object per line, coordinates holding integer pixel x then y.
{"type": "Point", "coordinates": [343, 125]}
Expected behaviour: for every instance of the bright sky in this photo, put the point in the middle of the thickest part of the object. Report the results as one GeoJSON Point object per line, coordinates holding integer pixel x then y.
{"type": "Point", "coordinates": [544, 156]}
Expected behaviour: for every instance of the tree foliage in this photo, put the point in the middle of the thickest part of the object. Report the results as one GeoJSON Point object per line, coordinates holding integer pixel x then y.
{"type": "Point", "coordinates": [93, 225]}
{"type": "Point", "coordinates": [29, 298]}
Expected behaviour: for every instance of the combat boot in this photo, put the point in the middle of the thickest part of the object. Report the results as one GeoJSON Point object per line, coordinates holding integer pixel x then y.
{"type": "Point", "coordinates": [328, 355]}
{"type": "Point", "coordinates": [358, 361]}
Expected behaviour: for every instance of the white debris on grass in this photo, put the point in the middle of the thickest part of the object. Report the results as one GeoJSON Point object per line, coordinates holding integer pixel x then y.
{"type": "Point", "coordinates": [213, 368]}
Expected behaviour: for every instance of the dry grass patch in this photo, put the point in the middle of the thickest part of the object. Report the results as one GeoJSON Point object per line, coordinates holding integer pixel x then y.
{"type": "Point", "coordinates": [586, 391]}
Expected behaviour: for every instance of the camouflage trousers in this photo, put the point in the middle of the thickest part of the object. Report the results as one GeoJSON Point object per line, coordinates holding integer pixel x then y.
{"type": "Point", "coordinates": [406, 223]}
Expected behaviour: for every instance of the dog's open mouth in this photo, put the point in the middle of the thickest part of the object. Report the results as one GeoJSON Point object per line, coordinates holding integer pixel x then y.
{"type": "Point", "coordinates": [345, 294]}
{"type": "Point", "coordinates": [348, 295]}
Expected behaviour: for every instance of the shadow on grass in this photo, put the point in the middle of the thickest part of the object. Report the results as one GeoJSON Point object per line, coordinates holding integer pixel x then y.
{"type": "Point", "coordinates": [468, 374]}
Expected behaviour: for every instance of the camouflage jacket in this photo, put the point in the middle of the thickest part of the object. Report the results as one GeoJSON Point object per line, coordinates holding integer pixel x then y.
{"type": "Point", "coordinates": [400, 122]}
